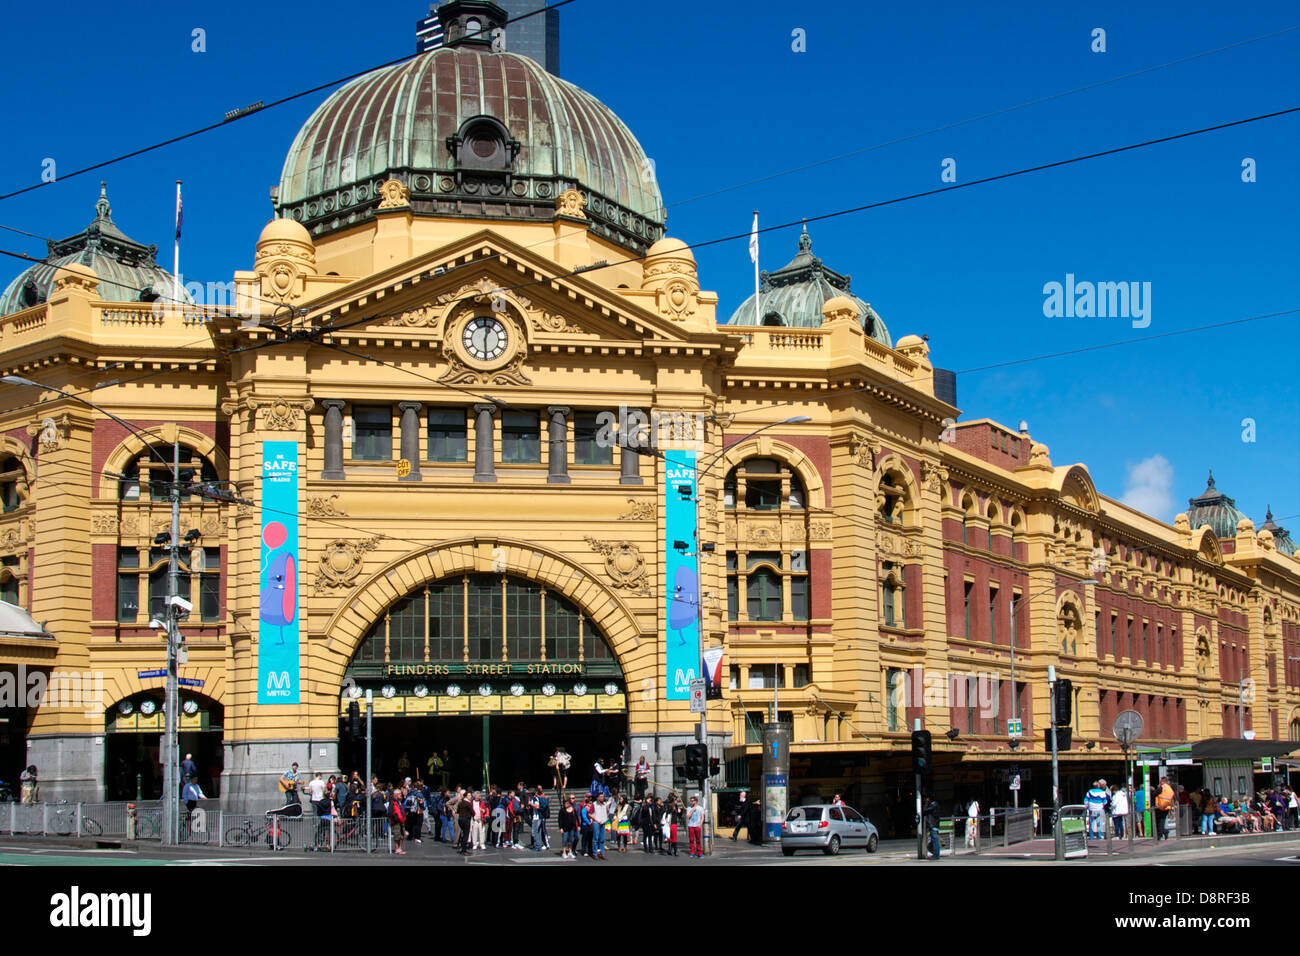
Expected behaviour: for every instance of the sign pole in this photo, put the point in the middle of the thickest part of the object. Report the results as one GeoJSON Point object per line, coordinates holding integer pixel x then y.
{"type": "Point", "coordinates": [370, 726]}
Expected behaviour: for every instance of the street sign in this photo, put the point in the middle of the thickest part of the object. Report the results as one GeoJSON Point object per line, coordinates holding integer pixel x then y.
{"type": "Point", "coordinates": [1266, 765]}
{"type": "Point", "coordinates": [147, 674]}
{"type": "Point", "coordinates": [189, 682]}
{"type": "Point", "coordinates": [697, 695]}
{"type": "Point", "coordinates": [403, 467]}
{"type": "Point", "coordinates": [1014, 728]}
{"type": "Point", "coordinates": [1015, 782]}
{"type": "Point", "coordinates": [1128, 727]}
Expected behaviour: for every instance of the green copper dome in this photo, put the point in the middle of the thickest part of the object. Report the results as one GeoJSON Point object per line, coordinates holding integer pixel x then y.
{"type": "Point", "coordinates": [472, 133]}
{"type": "Point", "coordinates": [127, 270]}
{"type": "Point", "coordinates": [1281, 537]}
{"type": "Point", "coordinates": [793, 296]}
{"type": "Point", "coordinates": [1216, 509]}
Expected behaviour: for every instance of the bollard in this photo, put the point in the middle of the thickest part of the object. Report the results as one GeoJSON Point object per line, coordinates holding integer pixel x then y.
{"type": "Point", "coordinates": [130, 821]}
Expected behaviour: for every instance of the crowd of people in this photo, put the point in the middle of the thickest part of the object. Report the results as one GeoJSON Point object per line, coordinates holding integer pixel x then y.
{"type": "Point", "coordinates": [497, 819]}
{"type": "Point", "coordinates": [1267, 810]}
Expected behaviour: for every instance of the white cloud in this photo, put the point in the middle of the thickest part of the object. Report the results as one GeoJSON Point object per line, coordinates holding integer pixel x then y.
{"type": "Point", "coordinates": [1148, 485]}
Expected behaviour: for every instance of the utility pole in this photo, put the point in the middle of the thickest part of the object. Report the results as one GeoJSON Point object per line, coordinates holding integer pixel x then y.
{"type": "Point", "coordinates": [370, 726]}
{"type": "Point", "coordinates": [171, 717]}
{"type": "Point", "coordinates": [1056, 778]}
{"type": "Point", "coordinates": [920, 819]}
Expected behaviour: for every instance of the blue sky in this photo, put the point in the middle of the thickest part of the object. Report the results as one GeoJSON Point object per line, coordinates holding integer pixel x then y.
{"type": "Point", "coordinates": [719, 98]}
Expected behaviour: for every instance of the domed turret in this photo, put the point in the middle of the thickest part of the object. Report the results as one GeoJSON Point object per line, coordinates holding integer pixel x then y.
{"type": "Point", "coordinates": [796, 294]}
{"type": "Point", "coordinates": [127, 270]}
{"type": "Point", "coordinates": [1216, 509]}
{"type": "Point", "coordinates": [472, 133]}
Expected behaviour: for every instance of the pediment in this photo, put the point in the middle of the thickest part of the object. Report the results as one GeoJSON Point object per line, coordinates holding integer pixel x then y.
{"type": "Point", "coordinates": [424, 298]}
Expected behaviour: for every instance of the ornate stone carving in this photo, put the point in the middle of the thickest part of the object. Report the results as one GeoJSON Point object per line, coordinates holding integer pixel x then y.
{"type": "Point", "coordinates": [285, 257]}
{"type": "Point", "coordinates": [482, 290]}
{"type": "Point", "coordinates": [279, 414]}
{"type": "Point", "coordinates": [211, 526]}
{"type": "Point", "coordinates": [341, 561]}
{"type": "Point", "coordinates": [103, 524]}
{"type": "Point", "coordinates": [458, 373]}
{"type": "Point", "coordinates": [550, 322]}
{"type": "Point", "coordinates": [677, 299]}
{"type": "Point", "coordinates": [763, 535]}
{"type": "Point", "coordinates": [130, 527]}
{"type": "Point", "coordinates": [394, 193]}
{"type": "Point", "coordinates": [51, 431]}
{"type": "Point", "coordinates": [623, 563]}
{"type": "Point", "coordinates": [640, 511]}
{"type": "Point", "coordinates": [819, 530]}
{"type": "Point", "coordinates": [570, 203]}
{"type": "Point", "coordinates": [864, 452]}
{"type": "Point", "coordinates": [11, 539]}
{"type": "Point", "coordinates": [933, 476]}
{"type": "Point", "coordinates": [325, 507]}
{"type": "Point", "coordinates": [897, 546]}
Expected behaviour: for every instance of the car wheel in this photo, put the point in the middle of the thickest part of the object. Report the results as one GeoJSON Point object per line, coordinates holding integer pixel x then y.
{"type": "Point", "coordinates": [833, 847]}
{"type": "Point", "coordinates": [872, 843]}
{"type": "Point", "coordinates": [787, 851]}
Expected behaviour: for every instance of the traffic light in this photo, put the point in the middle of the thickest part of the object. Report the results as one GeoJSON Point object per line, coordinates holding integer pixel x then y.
{"type": "Point", "coordinates": [697, 761]}
{"type": "Point", "coordinates": [1064, 738]}
{"type": "Point", "coordinates": [1064, 696]}
{"type": "Point", "coordinates": [715, 766]}
{"type": "Point", "coordinates": [921, 758]}
{"type": "Point", "coordinates": [354, 719]}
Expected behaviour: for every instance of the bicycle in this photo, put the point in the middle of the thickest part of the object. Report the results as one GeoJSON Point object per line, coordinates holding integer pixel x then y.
{"type": "Point", "coordinates": [248, 832]}
{"type": "Point", "coordinates": [65, 821]}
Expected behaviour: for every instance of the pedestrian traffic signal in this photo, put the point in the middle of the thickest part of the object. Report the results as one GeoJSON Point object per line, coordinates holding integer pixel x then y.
{"type": "Point", "coordinates": [1064, 696]}
{"type": "Point", "coordinates": [697, 761]}
{"type": "Point", "coordinates": [354, 719]}
{"type": "Point", "coordinates": [1064, 738]}
{"type": "Point", "coordinates": [715, 766]}
{"type": "Point", "coordinates": [921, 758]}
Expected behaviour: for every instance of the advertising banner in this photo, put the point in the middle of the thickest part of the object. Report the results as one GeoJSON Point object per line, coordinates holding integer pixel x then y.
{"type": "Point", "coordinates": [278, 629]}
{"type": "Point", "coordinates": [681, 572]}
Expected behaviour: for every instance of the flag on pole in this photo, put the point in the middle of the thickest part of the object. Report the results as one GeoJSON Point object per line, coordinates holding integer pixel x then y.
{"type": "Point", "coordinates": [753, 241]}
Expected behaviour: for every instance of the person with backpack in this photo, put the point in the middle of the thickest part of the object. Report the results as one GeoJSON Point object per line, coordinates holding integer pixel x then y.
{"type": "Point", "coordinates": [540, 807]}
{"type": "Point", "coordinates": [1096, 800]}
{"type": "Point", "coordinates": [1164, 802]}
{"type": "Point", "coordinates": [414, 813]}
{"type": "Point", "coordinates": [499, 813]}
{"type": "Point", "coordinates": [397, 818]}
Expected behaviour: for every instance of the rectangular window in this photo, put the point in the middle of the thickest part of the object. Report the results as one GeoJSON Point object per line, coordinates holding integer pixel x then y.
{"type": "Point", "coordinates": [446, 622]}
{"type": "Point", "coordinates": [9, 584]}
{"type": "Point", "coordinates": [754, 720]}
{"type": "Point", "coordinates": [802, 675]}
{"type": "Point", "coordinates": [521, 438]}
{"type": "Point", "coordinates": [485, 620]}
{"type": "Point", "coordinates": [799, 597]}
{"type": "Point", "coordinates": [406, 630]}
{"type": "Point", "coordinates": [1146, 641]}
{"type": "Point", "coordinates": [894, 699]}
{"type": "Point", "coordinates": [159, 580]}
{"type": "Point", "coordinates": [561, 630]}
{"type": "Point", "coordinates": [733, 599]}
{"type": "Point", "coordinates": [969, 585]}
{"type": "Point", "coordinates": [733, 682]}
{"type": "Point", "coordinates": [372, 432]}
{"type": "Point", "coordinates": [128, 584]}
{"type": "Point", "coordinates": [1130, 638]}
{"type": "Point", "coordinates": [523, 622]}
{"type": "Point", "coordinates": [766, 677]}
{"type": "Point", "coordinates": [993, 614]}
{"type": "Point", "coordinates": [1114, 645]}
{"type": "Point", "coordinates": [447, 434]}
{"type": "Point", "coordinates": [763, 595]}
{"type": "Point", "coordinates": [210, 585]}
{"type": "Point", "coordinates": [1160, 644]}
{"type": "Point", "coordinates": [587, 448]}
{"type": "Point", "coordinates": [887, 592]}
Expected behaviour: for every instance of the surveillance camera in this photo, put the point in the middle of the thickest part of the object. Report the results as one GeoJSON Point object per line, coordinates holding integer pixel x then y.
{"type": "Point", "coordinates": [157, 625]}
{"type": "Point", "coordinates": [177, 601]}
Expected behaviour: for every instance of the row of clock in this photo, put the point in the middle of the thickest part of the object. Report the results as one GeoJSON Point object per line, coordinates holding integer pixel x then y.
{"type": "Point", "coordinates": [147, 707]}
{"type": "Point", "coordinates": [484, 690]}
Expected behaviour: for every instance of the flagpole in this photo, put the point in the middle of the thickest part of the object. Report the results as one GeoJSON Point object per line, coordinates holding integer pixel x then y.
{"type": "Point", "coordinates": [176, 257]}
{"type": "Point", "coordinates": [758, 319]}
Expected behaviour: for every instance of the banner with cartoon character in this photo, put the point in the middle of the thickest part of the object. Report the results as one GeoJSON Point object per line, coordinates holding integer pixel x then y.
{"type": "Point", "coordinates": [681, 568]}
{"type": "Point", "coordinates": [277, 631]}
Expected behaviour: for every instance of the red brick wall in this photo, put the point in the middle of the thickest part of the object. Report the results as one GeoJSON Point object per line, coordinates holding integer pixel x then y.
{"type": "Point", "coordinates": [819, 570]}
{"type": "Point", "coordinates": [109, 434]}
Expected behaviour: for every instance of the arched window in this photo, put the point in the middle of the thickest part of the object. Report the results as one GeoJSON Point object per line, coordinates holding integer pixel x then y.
{"type": "Point", "coordinates": [13, 483]}
{"type": "Point", "coordinates": [893, 503]}
{"type": "Point", "coordinates": [1070, 627]}
{"type": "Point", "coordinates": [155, 472]}
{"type": "Point", "coordinates": [766, 483]}
{"type": "Point", "coordinates": [1295, 731]}
{"type": "Point", "coordinates": [967, 509]}
{"type": "Point", "coordinates": [893, 602]}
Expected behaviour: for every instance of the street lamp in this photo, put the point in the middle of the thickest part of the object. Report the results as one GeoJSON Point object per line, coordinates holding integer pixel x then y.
{"type": "Point", "coordinates": [173, 606]}
{"type": "Point", "coordinates": [699, 587]}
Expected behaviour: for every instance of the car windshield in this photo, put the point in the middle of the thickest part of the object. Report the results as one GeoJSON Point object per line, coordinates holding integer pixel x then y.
{"type": "Point", "coordinates": [805, 813]}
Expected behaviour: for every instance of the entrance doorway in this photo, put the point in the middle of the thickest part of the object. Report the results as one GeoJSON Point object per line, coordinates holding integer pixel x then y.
{"type": "Point", "coordinates": [518, 747]}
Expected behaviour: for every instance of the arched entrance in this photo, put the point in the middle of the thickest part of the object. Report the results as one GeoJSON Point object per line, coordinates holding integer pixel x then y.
{"type": "Point", "coordinates": [134, 727]}
{"type": "Point", "coordinates": [493, 669]}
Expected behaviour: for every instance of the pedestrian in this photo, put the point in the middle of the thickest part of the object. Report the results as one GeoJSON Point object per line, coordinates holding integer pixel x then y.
{"type": "Point", "coordinates": [415, 808]}
{"type": "Point", "coordinates": [931, 823]}
{"type": "Point", "coordinates": [642, 776]}
{"type": "Point", "coordinates": [599, 827]}
{"type": "Point", "coordinates": [189, 768]}
{"type": "Point", "coordinates": [597, 777]}
{"type": "Point", "coordinates": [756, 823]}
{"type": "Point", "coordinates": [560, 762]}
{"type": "Point", "coordinates": [623, 823]}
{"type": "Point", "coordinates": [1119, 810]}
{"type": "Point", "coordinates": [584, 825]}
{"type": "Point", "coordinates": [973, 823]}
{"type": "Point", "coordinates": [29, 786]}
{"type": "Point", "coordinates": [536, 820]}
{"type": "Point", "coordinates": [464, 819]}
{"type": "Point", "coordinates": [316, 792]}
{"type": "Point", "coordinates": [671, 819]}
{"type": "Point", "coordinates": [568, 831]}
{"type": "Point", "coordinates": [1037, 815]}
{"type": "Point", "coordinates": [499, 813]}
{"type": "Point", "coordinates": [191, 794]}
{"type": "Point", "coordinates": [289, 785]}
{"type": "Point", "coordinates": [740, 816]}
{"type": "Point", "coordinates": [695, 828]}
{"type": "Point", "coordinates": [1095, 800]}
{"type": "Point", "coordinates": [1164, 802]}
{"type": "Point", "coordinates": [837, 801]}
{"type": "Point", "coordinates": [648, 824]}
{"type": "Point", "coordinates": [1140, 810]}
{"type": "Point", "coordinates": [397, 819]}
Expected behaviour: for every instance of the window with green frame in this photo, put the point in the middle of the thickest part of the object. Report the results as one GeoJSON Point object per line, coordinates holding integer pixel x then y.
{"type": "Point", "coordinates": [587, 448]}
{"type": "Point", "coordinates": [9, 569]}
{"type": "Point", "coordinates": [159, 575]}
{"type": "Point", "coordinates": [12, 476]}
{"type": "Point", "coordinates": [521, 438]}
{"type": "Point", "coordinates": [447, 434]}
{"type": "Point", "coordinates": [763, 594]}
{"type": "Point", "coordinates": [128, 584]}
{"type": "Point", "coordinates": [372, 432]}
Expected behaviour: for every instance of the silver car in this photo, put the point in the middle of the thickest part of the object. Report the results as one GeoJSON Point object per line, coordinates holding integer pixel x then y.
{"type": "Point", "coordinates": [827, 828]}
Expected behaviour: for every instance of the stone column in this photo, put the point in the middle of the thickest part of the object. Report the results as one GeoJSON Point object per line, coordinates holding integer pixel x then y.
{"type": "Point", "coordinates": [557, 452]}
{"type": "Point", "coordinates": [485, 452]}
{"type": "Point", "coordinates": [333, 439]}
{"type": "Point", "coordinates": [630, 462]}
{"type": "Point", "coordinates": [411, 437]}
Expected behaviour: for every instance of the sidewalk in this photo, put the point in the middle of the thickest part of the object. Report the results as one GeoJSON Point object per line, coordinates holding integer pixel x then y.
{"type": "Point", "coordinates": [1045, 848]}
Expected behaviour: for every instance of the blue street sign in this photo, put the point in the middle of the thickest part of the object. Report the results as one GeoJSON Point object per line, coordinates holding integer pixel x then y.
{"type": "Point", "coordinates": [143, 674]}
{"type": "Point", "coordinates": [189, 682]}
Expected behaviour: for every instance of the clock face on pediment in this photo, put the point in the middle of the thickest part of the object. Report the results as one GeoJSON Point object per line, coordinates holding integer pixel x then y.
{"type": "Point", "coordinates": [485, 338]}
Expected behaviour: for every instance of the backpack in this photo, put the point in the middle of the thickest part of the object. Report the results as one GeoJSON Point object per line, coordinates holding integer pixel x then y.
{"type": "Point", "coordinates": [545, 808]}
